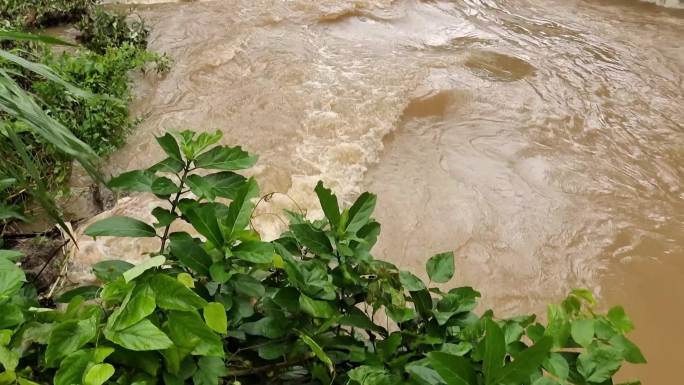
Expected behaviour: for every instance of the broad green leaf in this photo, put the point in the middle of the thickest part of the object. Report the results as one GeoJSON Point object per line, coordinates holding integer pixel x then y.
{"type": "Point", "coordinates": [582, 331]}
{"type": "Point", "coordinates": [169, 165]}
{"type": "Point", "coordinates": [204, 219]}
{"type": "Point", "coordinates": [225, 158]}
{"type": "Point", "coordinates": [329, 204]}
{"type": "Point", "coordinates": [210, 371]}
{"type": "Point", "coordinates": [140, 337]}
{"type": "Point", "coordinates": [440, 267]}
{"type": "Point", "coordinates": [557, 365]}
{"type": "Point", "coordinates": [240, 209]}
{"type": "Point", "coordinates": [71, 370]}
{"type": "Point", "coordinates": [494, 351]}
{"type": "Point", "coordinates": [170, 146]}
{"type": "Point", "coordinates": [620, 320]}
{"type": "Point", "coordinates": [189, 252]}
{"type": "Point", "coordinates": [186, 279]}
{"type": "Point", "coordinates": [163, 186]}
{"type": "Point", "coordinates": [314, 239]}
{"type": "Point", "coordinates": [410, 281]}
{"type": "Point", "coordinates": [248, 285]}
{"type": "Point", "coordinates": [558, 326]}
{"type": "Point", "coordinates": [87, 292]}
{"type": "Point", "coordinates": [524, 363]}
{"type": "Point", "coordinates": [598, 364]}
{"type": "Point", "coordinates": [137, 306]}
{"type": "Point", "coordinates": [453, 369]}
{"type": "Point", "coordinates": [119, 226]}
{"type": "Point", "coordinates": [269, 327]}
{"type": "Point", "coordinates": [356, 318]}
{"type": "Point", "coordinates": [173, 295]}
{"type": "Point", "coordinates": [68, 337]}
{"type": "Point", "coordinates": [10, 315]}
{"type": "Point", "coordinates": [138, 180]}
{"type": "Point", "coordinates": [629, 350]}
{"type": "Point", "coordinates": [108, 271]}
{"type": "Point", "coordinates": [318, 351]}
{"type": "Point", "coordinates": [370, 375]}
{"type": "Point", "coordinates": [215, 317]}
{"type": "Point", "coordinates": [200, 187]}
{"type": "Point", "coordinates": [422, 302]}
{"type": "Point", "coordinates": [164, 217]}
{"type": "Point", "coordinates": [360, 212]}
{"type": "Point", "coordinates": [225, 184]}
{"type": "Point", "coordinates": [255, 252]}
{"type": "Point", "coordinates": [98, 374]}
{"type": "Point", "coordinates": [188, 330]}
{"type": "Point", "coordinates": [9, 359]}
{"type": "Point", "coordinates": [545, 381]}
{"type": "Point", "coordinates": [143, 266]}
{"type": "Point", "coordinates": [318, 309]}
{"type": "Point", "coordinates": [194, 145]}
{"type": "Point", "coordinates": [11, 255]}
{"type": "Point", "coordinates": [11, 278]}
{"type": "Point", "coordinates": [424, 375]}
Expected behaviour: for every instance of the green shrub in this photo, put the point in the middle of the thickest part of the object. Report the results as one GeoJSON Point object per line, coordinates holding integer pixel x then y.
{"type": "Point", "coordinates": [303, 309]}
{"type": "Point", "coordinates": [101, 30]}
{"type": "Point", "coordinates": [28, 14]}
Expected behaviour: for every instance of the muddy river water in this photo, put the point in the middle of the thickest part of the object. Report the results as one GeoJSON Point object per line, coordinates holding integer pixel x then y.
{"type": "Point", "coordinates": [541, 140]}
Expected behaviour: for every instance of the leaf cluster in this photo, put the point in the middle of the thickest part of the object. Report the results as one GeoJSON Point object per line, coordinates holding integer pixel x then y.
{"type": "Point", "coordinates": [311, 307]}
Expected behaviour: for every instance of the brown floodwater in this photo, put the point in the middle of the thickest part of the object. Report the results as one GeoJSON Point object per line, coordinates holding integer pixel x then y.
{"type": "Point", "coordinates": [541, 140]}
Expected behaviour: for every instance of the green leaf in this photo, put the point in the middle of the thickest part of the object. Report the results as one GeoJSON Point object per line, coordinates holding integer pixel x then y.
{"type": "Point", "coordinates": [21, 36]}
{"type": "Point", "coordinates": [138, 304]}
{"type": "Point", "coordinates": [11, 278]}
{"type": "Point", "coordinates": [329, 204]}
{"type": "Point", "coordinates": [410, 281]}
{"type": "Point", "coordinates": [204, 219]}
{"type": "Point", "coordinates": [143, 266]}
{"type": "Point", "coordinates": [186, 279]}
{"type": "Point", "coordinates": [188, 330]}
{"type": "Point", "coordinates": [9, 359]}
{"type": "Point", "coordinates": [140, 337]}
{"type": "Point", "coordinates": [240, 209]}
{"type": "Point", "coordinates": [98, 374]}
{"type": "Point", "coordinates": [494, 351]}
{"type": "Point", "coordinates": [225, 184]}
{"type": "Point", "coordinates": [558, 326]}
{"type": "Point", "coordinates": [169, 165]}
{"type": "Point", "coordinates": [314, 239]}
{"type": "Point", "coordinates": [424, 375]}
{"type": "Point", "coordinates": [71, 370]}
{"type": "Point", "coordinates": [138, 180]}
{"type": "Point", "coordinates": [255, 252]}
{"type": "Point", "coordinates": [440, 267]}
{"type": "Point", "coordinates": [369, 375]}
{"type": "Point", "coordinates": [210, 371]}
{"type": "Point", "coordinates": [525, 363]}
{"type": "Point", "coordinates": [599, 364]}
{"type": "Point", "coordinates": [225, 158]}
{"type": "Point", "coordinates": [557, 365]}
{"type": "Point", "coordinates": [269, 327]}
{"type": "Point", "coordinates": [582, 331]}
{"type": "Point", "coordinates": [318, 351]}
{"type": "Point", "coordinates": [620, 320]}
{"type": "Point", "coordinates": [248, 285]}
{"type": "Point", "coordinates": [215, 317]}
{"type": "Point", "coordinates": [164, 217]}
{"type": "Point", "coordinates": [173, 295]}
{"type": "Point", "coordinates": [453, 369]}
{"type": "Point", "coordinates": [107, 271]}
{"type": "Point", "coordinates": [163, 186]}
{"type": "Point", "coordinates": [360, 212]}
{"type": "Point", "coordinates": [189, 252]}
{"type": "Point", "coordinates": [170, 146]}
{"type": "Point", "coordinates": [10, 315]}
{"type": "Point", "coordinates": [119, 226]}
{"type": "Point", "coordinates": [68, 337]}
{"type": "Point", "coordinates": [318, 309]}
{"type": "Point", "coordinates": [11, 255]}
{"type": "Point", "coordinates": [87, 292]}
{"type": "Point", "coordinates": [629, 350]}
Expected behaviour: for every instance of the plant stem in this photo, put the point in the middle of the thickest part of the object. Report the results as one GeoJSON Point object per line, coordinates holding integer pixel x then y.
{"type": "Point", "coordinates": [266, 368]}
{"type": "Point", "coordinates": [186, 170]}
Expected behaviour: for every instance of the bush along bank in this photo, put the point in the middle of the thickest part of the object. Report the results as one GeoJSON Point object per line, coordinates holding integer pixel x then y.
{"type": "Point", "coordinates": [229, 308]}
{"type": "Point", "coordinates": [113, 46]}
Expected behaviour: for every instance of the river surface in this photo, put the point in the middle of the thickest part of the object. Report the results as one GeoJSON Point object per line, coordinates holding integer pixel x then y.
{"type": "Point", "coordinates": [541, 140]}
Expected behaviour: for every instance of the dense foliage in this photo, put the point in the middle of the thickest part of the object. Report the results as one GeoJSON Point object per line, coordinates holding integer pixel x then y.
{"type": "Point", "coordinates": [101, 121]}
{"type": "Point", "coordinates": [312, 307]}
